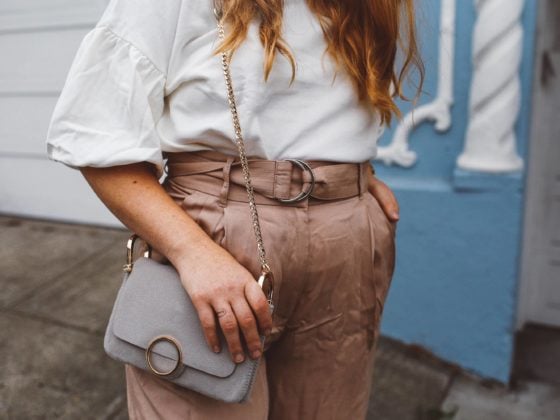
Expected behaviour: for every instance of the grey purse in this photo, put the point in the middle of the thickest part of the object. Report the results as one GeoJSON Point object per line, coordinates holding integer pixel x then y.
{"type": "Point", "coordinates": [154, 325]}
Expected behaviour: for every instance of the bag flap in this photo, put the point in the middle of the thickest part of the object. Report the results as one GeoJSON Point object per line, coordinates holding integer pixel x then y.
{"type": "Point", "coordinates": [155, 303]}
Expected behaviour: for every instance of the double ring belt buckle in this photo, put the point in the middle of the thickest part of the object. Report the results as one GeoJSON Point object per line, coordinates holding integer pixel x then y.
{"type": "Point", "coordinates": [304, 166]}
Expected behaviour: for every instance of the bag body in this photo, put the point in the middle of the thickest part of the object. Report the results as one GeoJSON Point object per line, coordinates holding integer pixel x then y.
{"type": "Point", "coordinates": [152, 303]}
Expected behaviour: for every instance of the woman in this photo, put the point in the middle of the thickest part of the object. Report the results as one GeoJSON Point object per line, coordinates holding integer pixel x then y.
{"type": "Point", "coordinates": [315, 80]}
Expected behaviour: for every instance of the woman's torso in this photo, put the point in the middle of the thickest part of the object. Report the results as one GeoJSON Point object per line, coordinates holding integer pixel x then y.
{"type": "Point", "coordinates": [144, 81]}
{"type": "Point", "coordinates": [317, 117]}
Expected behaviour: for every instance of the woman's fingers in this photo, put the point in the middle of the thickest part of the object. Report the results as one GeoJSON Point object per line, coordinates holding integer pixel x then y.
{"type": "Point", "coordinates": [385, 197]}
{"type": "Point", "coordinates": [259, 304]}
{"type": "Point", "coordinates": [230, 328]}
{"type": "Point", "coordinates": [248, 326]}
{"type": "Point", "coordinates": [208, 322]}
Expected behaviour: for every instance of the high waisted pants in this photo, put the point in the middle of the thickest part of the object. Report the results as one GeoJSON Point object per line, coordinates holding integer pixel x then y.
{"type": "Point", "coordinates": [332, 259]}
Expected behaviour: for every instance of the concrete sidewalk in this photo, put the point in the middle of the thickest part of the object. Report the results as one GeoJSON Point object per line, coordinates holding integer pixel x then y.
{"type": "Point", "coordinates": [58, 286]}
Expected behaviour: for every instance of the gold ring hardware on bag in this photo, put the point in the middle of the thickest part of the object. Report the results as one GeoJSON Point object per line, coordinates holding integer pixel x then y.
{"type": "Point", "coordinates": [129, 251]}
{"type": "Point", "coordinates": [304, 166]}
{"type": "Point", "coordinates": [149, 351]}
{"type": "Point", "coordinates": [266, 282]}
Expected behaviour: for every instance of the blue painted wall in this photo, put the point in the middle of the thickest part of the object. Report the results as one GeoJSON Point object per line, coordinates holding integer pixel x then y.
{"type": "Point", "coordinates": [458, 240]}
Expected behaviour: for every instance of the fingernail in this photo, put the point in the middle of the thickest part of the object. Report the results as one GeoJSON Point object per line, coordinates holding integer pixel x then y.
{"type": "Point", "coordinates": [216, 349]}
{"type": "Point", "coordinates": [238, 358]}
{"type": "Point", "coordinates": [255, 354]}
{"type": "Point", "coordinates": [395, 216]}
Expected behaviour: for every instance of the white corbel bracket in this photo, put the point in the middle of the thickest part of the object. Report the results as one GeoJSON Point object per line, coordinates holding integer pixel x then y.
{"type": "Point", "coordinates": [438, 111]}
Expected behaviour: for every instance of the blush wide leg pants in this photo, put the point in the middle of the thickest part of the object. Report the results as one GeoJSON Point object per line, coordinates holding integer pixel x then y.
{"type": "Point", "coordinates": [332, 259]}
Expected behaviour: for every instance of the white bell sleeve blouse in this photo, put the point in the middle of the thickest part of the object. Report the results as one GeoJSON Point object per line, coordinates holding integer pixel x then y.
{"type": "Point", "coordinates": [144, 81]}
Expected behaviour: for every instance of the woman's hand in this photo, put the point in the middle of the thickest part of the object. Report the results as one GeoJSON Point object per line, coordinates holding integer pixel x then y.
{"type": "Point", "coordinates": [384, 196]}
{"type": "Point", "coordinates": [218, 285]}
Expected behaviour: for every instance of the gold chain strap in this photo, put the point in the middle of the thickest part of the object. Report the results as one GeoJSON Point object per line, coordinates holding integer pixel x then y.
{"type": "Point", "coordinates": [241, 147]}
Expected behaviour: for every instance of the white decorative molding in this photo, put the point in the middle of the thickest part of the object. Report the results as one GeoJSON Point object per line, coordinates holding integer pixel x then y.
{"type": "Point", "coordinates": [438, 111]}
{"type": "Point", "coordinates": [490, 144]}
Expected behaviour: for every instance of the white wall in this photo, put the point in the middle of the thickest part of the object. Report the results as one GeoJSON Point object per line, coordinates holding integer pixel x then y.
{"type": "Point", "coordinates": [38, 40]}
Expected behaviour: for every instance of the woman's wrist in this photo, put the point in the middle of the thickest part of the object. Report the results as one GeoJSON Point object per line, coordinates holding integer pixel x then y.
{"type": "Point", "coordinates": [188, 254]}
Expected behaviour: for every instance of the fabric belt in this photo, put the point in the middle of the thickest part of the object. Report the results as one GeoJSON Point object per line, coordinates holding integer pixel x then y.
{"type": "Point", "coordinates": [221, 175]}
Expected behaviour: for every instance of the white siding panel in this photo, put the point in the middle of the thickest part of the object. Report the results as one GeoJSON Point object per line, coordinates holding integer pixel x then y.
{"type": "Point", "coordinates": [42, 188]}
{"type": "Point", "coordinates": [25, 15]}
{"type": "Point", "coordinates": [24, 121]}
{"type": "Point", "coordinates": [38, 62]}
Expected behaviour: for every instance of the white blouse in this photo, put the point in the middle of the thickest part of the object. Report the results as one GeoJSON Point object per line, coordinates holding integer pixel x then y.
{"type": "Point", "coordinates": [144, 80]}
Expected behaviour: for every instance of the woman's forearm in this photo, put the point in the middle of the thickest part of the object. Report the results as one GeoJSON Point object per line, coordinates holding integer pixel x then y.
{"type": "Point", "coordinates": [135, 196]}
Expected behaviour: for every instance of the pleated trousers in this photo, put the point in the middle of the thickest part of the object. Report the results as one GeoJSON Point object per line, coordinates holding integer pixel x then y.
{"type": "Point", "coordinates": [333, 258]}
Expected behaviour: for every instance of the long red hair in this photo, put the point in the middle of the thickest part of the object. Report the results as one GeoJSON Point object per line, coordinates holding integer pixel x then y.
{"type": "Point", "coordinates": [364, 37]}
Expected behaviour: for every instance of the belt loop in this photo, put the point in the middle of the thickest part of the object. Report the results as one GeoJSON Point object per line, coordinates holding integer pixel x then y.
{"type": "Point", "coordinates": [362, 178]}
{"type": "Point", "coordinates": [225, 187]}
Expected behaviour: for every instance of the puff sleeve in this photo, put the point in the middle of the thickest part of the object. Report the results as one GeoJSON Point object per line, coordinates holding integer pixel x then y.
{"type": "Point", "coordinates": [110, 104]}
